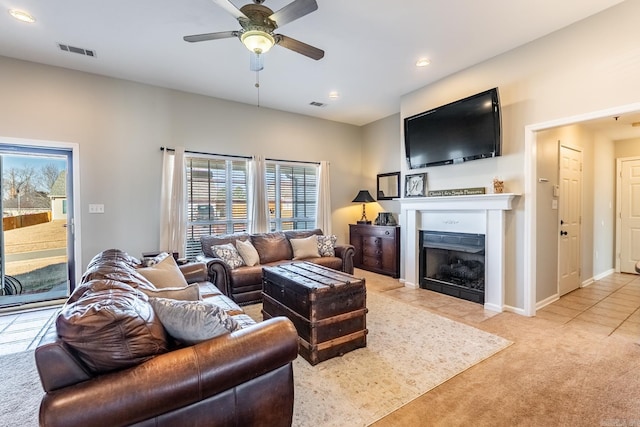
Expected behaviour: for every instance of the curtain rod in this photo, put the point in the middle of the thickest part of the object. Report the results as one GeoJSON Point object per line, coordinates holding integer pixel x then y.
{"type": "Point", "coordinates": [293, 161]}
{"type": "Point", "coordinates": [241, 157]}
{"type": "Point", "coordinates": [207, 154]}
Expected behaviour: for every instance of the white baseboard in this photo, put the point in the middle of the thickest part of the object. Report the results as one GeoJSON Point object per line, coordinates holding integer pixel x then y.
{"type": "Point", "coordinates": [604, 274]}
{"type": "Point", "coordinates": [515, 310]}
{"type": "Point", "coordinates": [545, 302]}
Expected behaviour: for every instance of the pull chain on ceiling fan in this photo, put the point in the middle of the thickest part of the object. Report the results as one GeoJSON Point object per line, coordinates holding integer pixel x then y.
{"type": "Point", "coordinates": [258, 25]}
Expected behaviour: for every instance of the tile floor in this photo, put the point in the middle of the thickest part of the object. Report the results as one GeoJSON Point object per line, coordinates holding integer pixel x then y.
{"type": "Point", "coordinates": [22, 331]}
{"type": "Point", "coordinates": [608, 306]}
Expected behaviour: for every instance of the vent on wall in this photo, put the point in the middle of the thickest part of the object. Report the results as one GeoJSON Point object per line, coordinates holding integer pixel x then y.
{"type": "Point", "coordinates": [317, 104]}
{"type": "Point", "coordinates": [73, 49]}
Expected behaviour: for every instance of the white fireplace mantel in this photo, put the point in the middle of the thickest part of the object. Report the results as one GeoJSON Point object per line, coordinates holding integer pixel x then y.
{"type": "Point", "coordinates": [483, 214]}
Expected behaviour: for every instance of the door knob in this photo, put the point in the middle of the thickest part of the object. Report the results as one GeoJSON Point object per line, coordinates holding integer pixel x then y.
{"type": "Point", "coordinates": [564, 233]}
{"type": "Point", "coordinates": [561, 222]}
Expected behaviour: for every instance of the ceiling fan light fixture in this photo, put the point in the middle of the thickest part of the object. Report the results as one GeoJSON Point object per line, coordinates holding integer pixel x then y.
{"type": "Point", "coordinates": [257, 41]}
{"type": "Point", "coordinates": [22, 16]}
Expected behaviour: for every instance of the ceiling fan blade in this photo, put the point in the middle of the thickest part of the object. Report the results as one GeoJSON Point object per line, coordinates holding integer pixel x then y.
{"type": "Point", "coordinates": [230, 8]}
{"type": "Point", "coordinates": [298, 46]}
{"type": "Point", "coordinates": [211, 36]}
{"type": "Point", "coordinates": [292, 11]}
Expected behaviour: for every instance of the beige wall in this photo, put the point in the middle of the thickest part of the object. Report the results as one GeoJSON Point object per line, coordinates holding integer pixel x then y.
{"type": "Point", "coordinates": [120, 127]}
{"type": "Point", "coordinates": [589, 66]}
{"type": "Point", "coordinates": [627, 148]}
{"type": "Point", "coordinates": [380, 156]}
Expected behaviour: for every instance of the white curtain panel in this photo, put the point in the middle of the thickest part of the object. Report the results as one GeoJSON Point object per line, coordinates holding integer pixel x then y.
{"type": "Point", "coordinates": [258, 206]}
{"type": "Point", "coordinates": [173, 225]}
{"type": "Point", "coordinates": [323, 205]}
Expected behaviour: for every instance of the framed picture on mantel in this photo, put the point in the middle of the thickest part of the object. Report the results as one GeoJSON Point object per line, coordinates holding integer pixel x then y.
{"type": "Point", "coordinates": [415, 185]}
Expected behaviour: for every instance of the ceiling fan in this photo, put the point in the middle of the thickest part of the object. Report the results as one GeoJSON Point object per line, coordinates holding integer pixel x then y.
{"type": "Point", "coordinates": [259, 23]}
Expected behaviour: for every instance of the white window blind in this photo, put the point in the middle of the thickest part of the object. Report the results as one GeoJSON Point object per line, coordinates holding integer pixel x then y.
{"type": "Point", "coordinates": [291, 193]}
{"type": "Point", "coordinates": [216, 198]}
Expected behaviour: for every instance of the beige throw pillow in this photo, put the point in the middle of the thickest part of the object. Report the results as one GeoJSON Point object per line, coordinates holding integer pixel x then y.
{"type": "Point", "coordinates": [248, 252]}
{"type": "Point", "coordinates": [305, 248]}
{"type": "Point", "coordinates": [164, 274]}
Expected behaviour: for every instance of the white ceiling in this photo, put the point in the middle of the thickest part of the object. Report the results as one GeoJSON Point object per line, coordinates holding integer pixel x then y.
{"type": "Point", "coordinates": [371, 46]}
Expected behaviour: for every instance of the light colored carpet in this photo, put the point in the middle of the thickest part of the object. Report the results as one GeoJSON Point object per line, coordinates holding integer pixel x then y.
{"type": "Point", "coordinates": [409, 351]}
{"type": "Point", "coordinates": [21, 390]}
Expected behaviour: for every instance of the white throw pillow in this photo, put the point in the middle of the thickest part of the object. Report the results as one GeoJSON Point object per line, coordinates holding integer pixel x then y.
{"type": "Point", "coordinates": [305, 248]}
{"type": "Point", "coordinates": [327, 244]}
{"type": "Point", "coordinates": [229, 254]}
{"type": "Point", "coordinates": [165, 274]}
{"type": "Point", "coordinates": [248, 252]}
{"type": "Point", "coordinates": [192, 322]}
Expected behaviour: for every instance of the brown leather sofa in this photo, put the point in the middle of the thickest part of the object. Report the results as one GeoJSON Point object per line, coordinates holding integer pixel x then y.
{"type": "Point", "coordinates": [244, 284]}
{"type": "Point", "coordinates": [242, 378]}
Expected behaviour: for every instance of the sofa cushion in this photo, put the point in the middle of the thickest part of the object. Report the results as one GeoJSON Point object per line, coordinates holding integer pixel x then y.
{"type": "Point", "coordinates": [229, 254]}
{"type": "Point", "coordinates": [188, 293]}
{"type": "Point", "coordinates": [191, 322]}
{"type": "Point", "coordinates": [326, 245]}
{"type": "Point", "coordinates": [305, 248]}
{"type": "Point", "coordinates": [272, 246]}
{"type": "Point", "coordinates": [248, 252]}
{"type": "Point", "coordinates": [114, 264]}
{"type": "Point", "coordinates": [220, 239]}
{"type": "Point", "coordinates": [164, 274]}
{"type": "Point", "coordinates": [301, 234]}
{"type": "Point", "coordinates": [110, 325]}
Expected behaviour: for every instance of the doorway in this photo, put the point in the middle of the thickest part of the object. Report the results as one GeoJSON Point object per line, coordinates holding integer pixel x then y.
{"type": "Point", "coordinates": [530, 201]}
{"type": "Point", "coordinates": [37, 233]}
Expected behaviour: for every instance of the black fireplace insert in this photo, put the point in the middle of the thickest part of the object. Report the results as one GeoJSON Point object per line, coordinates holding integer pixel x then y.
{"type": "Point", "coordinates": [453, 264]}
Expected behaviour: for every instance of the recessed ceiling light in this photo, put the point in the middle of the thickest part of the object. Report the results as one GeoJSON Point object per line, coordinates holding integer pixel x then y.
{"type": "Point", "coordinates": [334, 95]}
{"type": "Point", "coordinates": [22, 16]}
{"type": "Point", "coordinates": [423, 62]}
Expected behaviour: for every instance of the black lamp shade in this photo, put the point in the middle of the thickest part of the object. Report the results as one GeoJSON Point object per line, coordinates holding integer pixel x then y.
{"type": "Point", "coordinates": [364, 197]}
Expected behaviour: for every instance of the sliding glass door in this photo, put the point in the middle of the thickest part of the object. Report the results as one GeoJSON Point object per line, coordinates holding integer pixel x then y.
{"type": "Point", "coordinates": [36, 243]}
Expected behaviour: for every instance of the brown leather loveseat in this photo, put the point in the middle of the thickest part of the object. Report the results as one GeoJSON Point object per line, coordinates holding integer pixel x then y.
{"type": "Point", "coordinates": [243, 284]}
{"type": "Point", "coordinates": [90, 378]}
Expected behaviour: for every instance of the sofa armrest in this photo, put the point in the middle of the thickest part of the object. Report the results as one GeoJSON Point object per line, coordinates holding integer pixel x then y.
{"type": "Point", "coordinates": [219, 274]}
{"type": "Point", "coordinates": [174, 380]}
{"type": "Point", "coordinates": [346, 253]}
{"type": "Point", "coordinates": [195, 272]}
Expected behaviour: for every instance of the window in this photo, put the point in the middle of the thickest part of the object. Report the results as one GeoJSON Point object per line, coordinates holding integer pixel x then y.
{"type": "Point", "coordinates": [291, 193]}
{"type": "Point", "coordinates": [216, 198]}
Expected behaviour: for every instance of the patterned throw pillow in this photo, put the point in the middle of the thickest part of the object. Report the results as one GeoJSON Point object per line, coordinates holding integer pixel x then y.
{"type": "Point", "coordinates": [326, 245]}
{"type": "Point", "coordinates": [192, 322]}
{"type": "Point", "coordinates": [229, 254]}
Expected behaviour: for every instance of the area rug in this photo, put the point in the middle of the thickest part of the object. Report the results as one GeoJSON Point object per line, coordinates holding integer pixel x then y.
{"type": "Point", "coordinates": [409, 351]}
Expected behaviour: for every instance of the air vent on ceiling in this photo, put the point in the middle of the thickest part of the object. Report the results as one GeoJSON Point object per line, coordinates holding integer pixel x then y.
{"type": "Point", "coordinates": [317, 104]}
{"type": "Point", "coordinates": [73, 49]}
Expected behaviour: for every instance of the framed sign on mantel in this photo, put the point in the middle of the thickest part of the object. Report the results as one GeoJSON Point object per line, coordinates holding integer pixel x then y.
{"type": "Point", "coordinates": [415, 185]}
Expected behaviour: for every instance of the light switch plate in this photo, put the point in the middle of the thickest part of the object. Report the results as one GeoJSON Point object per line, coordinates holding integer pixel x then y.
{"type": "Point", "coordinates": [96, 208]}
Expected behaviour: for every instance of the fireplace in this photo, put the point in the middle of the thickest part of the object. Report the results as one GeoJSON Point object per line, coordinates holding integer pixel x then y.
{"type": "Point", "coordinates": [483, 214]}
{"type": "Point", "coordinates": [453, 264]}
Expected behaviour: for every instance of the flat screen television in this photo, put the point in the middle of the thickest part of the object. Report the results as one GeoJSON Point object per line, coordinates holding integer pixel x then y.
{"type": "Point", "coordinates": [467, 129]}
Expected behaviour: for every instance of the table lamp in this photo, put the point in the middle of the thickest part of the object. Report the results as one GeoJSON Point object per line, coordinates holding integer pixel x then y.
{"type": "Point", "coordinates": [363, 197]}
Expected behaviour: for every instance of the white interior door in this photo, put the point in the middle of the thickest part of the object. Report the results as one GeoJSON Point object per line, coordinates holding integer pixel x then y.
{"type": "Point", "coordinates": [569, 216]}
{"type": "Point", "coordinates": [629, 215]}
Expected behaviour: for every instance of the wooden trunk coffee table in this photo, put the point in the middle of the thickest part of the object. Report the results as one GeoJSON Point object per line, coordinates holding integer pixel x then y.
{"type": "Point", "coordinates": [327, 307]}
